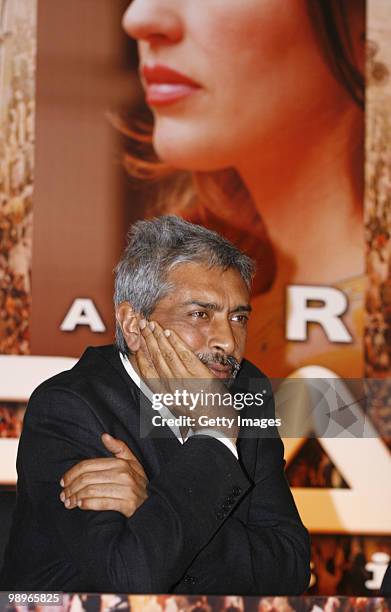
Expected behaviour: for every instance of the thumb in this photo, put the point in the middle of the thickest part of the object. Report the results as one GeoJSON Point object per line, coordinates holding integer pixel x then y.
{"type": "Point", "coordinates": [117, 447]}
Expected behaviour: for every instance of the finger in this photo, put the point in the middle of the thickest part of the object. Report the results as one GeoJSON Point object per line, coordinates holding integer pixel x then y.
{"type": "Point", "coordinates": [116, 505]}
{"type": "Point", "coordinates": [104, 491]}
{"type": "Point", "coordinates": [144, 362]}
{"type": "Point", "coordinates": [99, 504]}
{"type": "Point", "coordinates": [145, 353]}
{"type": "Point", "coordinates": [169, 354]}
{"type": "Point", "coordinates": [128, 478]}
{"type": "Point", "coordinates": [97, 490]}
{"type": "Point", "coordinates": [89, 465]}
{"type": "Point", "coordinates": [117, 447]}
{"type": "Point", "coordinates": [192, 363]}
{"type": "Point", "coordinates": [147, 370]}
{"type": "Point", "coordinates": [158, 360]}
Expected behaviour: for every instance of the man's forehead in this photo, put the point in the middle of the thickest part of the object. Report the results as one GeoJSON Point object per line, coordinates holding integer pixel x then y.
{"type": "Point", "coordinates": [214, 292]}
{"type": "Point", "coordinates": [194, 275]}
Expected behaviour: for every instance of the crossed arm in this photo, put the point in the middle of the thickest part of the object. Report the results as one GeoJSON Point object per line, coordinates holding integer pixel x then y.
{"type": "Point", "coordinates": [180, 528]}
{"type": "Point", "coordinates": [147, 552]}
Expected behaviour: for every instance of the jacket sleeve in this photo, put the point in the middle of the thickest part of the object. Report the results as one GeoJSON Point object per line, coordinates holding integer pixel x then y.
{"type": "Point", "coordinates": [263, 546]}
{"type": "Point", "coordinates": [149, 551]}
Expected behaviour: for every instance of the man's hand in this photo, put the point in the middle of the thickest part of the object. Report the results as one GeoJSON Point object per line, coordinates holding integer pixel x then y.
{"type": "Point", "coordinates": [118, 483]}
{"type": "Point", "coordinates": [167, 364]}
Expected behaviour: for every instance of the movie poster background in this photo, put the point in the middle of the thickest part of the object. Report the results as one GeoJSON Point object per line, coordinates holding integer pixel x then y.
{"type": "Point", "coordinates": [66, 203]}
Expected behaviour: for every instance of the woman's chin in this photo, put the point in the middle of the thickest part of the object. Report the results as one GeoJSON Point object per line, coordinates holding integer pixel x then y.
{"type": "Point", "coordinates": [186, 153]}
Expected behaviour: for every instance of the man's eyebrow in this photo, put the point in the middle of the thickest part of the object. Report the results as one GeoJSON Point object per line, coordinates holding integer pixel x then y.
{"type": "Point", "coordinates": [214, 306]}
{"type": "Point", "coordinates": [242, 308]}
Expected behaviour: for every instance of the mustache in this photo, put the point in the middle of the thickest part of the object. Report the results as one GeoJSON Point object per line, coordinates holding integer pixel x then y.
{"type": "Point", "coordinates": [224, 360]}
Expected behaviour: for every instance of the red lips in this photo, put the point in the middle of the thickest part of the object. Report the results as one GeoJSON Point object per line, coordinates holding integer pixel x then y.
{"type": "Point", "coordinates": [162, 74]}
{"type": "Point", "coordinates": [165, 85]}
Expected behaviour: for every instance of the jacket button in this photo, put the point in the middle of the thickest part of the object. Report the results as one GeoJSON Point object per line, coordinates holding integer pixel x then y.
{"type": "Point", "coordinates": [230, 499]}
{"type": "Point", "coordinates": [190, 579]}
{"type": "Point", "coordinates": [236, 491]}
{"type": "Point", "coordinates": [220, 514]}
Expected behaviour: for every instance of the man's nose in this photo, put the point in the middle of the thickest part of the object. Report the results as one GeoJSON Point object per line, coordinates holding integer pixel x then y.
{"type": "Point", "coordinates": [221, 338]}
{"type": "Point", "coordinates": [154, 21]}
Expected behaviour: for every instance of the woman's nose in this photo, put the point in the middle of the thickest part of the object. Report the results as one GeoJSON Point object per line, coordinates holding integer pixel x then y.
{"type": "Point", "coordinates": [154, 21]}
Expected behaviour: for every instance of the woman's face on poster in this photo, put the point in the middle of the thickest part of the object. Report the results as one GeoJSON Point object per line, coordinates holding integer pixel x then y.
{"type": "Point", "coordinates": [226, 79]}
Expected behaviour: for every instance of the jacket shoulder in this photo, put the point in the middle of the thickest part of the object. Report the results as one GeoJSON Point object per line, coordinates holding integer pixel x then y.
{"type": "Point", "coordinates": [100, 365]}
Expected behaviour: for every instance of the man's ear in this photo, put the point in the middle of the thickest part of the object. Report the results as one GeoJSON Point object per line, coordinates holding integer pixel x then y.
{"type": "Point", "coordinates": [128, 320]}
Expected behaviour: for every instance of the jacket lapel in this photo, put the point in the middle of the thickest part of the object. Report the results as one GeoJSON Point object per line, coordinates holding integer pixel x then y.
{"type": "Point", "coordinates": [159, 440]}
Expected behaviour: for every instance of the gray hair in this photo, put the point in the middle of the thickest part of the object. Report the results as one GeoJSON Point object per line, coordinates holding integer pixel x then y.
{"type": "Point", "coordinates": [154, 248]}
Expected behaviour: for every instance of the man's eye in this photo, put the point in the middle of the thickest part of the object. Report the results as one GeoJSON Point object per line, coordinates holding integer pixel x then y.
{"type": "Point", "coordinates": [240, 319]}
{"type": "Point", "coordinates": [199, 314]}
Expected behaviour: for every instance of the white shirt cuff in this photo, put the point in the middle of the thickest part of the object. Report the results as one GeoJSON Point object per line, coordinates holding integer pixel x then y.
{"type": "Point", "coordinates": [216, 433]}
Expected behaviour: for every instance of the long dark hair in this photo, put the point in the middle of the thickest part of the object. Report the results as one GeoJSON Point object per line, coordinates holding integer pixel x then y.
{"type": "Point", "coordinates": [331, 20]}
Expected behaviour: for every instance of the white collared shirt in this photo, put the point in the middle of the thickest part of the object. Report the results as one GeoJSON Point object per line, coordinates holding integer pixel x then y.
{"type": "Point", "coordinates": [166, 413]}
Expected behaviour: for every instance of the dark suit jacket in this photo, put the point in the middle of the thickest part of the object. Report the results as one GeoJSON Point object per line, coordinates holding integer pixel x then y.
{"type": "Point", "coordinates": [211, 524]}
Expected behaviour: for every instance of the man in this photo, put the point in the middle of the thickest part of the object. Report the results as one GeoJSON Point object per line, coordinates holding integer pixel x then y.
{"type": "Point", "coordinates": [182, 507]}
